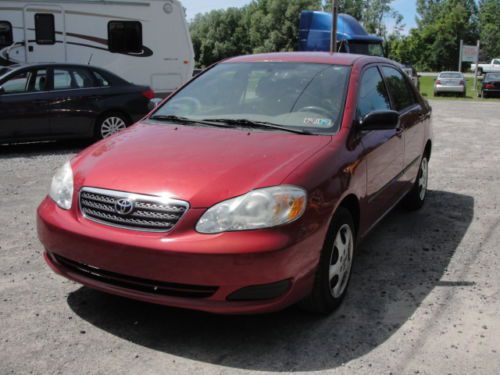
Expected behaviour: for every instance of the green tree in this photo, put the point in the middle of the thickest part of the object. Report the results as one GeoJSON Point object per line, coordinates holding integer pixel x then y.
{"type": "Point", "coordinates": [441, 24]}
{"type": "Point", "coordinates": [261, 26]}
{"type": "Point", "coordinates": [489, 27]}
{"type": "Point", "coordinates": [219, 34]}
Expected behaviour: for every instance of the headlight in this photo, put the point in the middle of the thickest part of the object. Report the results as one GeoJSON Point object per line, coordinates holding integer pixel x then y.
{"type": "Point", "coordinates": [61, 189]}
{"type": "Point", "coordinates": [262, 208]}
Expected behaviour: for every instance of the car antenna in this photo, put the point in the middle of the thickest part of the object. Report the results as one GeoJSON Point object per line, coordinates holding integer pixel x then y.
{"type": "Point", "coordinates": [90, 58]}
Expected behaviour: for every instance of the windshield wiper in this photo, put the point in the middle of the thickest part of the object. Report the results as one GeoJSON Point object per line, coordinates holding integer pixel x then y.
{"type": "Point", "coordinates": [185, 120]}
{"type": "Point", "coordinates": [258, 124]}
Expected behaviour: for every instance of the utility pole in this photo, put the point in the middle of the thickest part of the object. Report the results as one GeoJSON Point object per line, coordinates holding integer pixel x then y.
{"type": "Point", "coordinates": [477, 63]}
{"type": "Point", "coordinates": [460, 55]}
{"type": "Point", "coordinates": [333, 37]}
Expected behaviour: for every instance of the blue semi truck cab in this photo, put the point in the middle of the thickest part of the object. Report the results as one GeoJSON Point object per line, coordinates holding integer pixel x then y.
{"type": "Point", "coordinates": [315, 29]}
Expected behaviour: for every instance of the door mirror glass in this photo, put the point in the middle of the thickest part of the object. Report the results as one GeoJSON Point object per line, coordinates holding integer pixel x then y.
{"type": "Point", "coordinates": [380, 120]}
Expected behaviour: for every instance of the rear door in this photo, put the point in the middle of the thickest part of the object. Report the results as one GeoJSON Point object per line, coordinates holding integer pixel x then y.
{"type": "Point", "coordinates": [23, 105]}
{"type": "Point", "coordinates": [45, 27]}
{"type": "Point", "coordinates": [413, 116]}
{"type": "Point", "coordinates": [73, 101]}
{"type": "Point", "coordinates": [385, 148]}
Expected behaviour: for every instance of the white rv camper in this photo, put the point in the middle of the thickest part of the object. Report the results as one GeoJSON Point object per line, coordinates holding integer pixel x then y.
{"type": "Point", "coordinates": [145, 42]}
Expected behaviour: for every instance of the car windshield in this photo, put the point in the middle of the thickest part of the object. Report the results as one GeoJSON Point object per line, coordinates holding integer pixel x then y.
{"type": "Point", "coordinates": [365, 48]}
{"type": "Point", "coordinates": [450, 75]}
{"type": "Point", "coordinates": [298, 96]}
{"type": "Point", "coordinates": [492, 77]}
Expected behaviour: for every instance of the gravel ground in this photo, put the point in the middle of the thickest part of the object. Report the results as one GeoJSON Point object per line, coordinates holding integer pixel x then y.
{"type": "Point", "coordinates": [424, 298]}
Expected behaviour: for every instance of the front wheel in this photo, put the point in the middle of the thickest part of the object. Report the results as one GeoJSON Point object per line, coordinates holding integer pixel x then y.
{"type": "Point", "coordinates": [110, 124]}
{"type": "Point", "coordinates": [415, 199]}
{"type": "Point", "coordinates": [334, 269]}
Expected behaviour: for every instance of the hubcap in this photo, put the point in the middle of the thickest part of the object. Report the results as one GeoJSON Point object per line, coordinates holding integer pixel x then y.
{"type": "Point", "coordinates": [341, 260]}
{"type": "Point", "coordinates": [423, 177]}
{"type": "Point", "coordinates": [111, 126]}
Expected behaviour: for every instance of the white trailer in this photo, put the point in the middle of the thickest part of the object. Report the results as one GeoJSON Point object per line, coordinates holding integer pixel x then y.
{"type": "Point", "coordinates": [145, 42]}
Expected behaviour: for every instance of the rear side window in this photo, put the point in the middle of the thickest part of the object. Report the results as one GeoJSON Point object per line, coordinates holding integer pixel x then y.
{"type": "Point", "coordinates": [399, 89]}
{"type": "Point", "coordinates": [75, 78]}
{"type": "Point", "coordinates": [45, 30]}
{"type": "Point", "coordinates": [125, 36]}
{"type": "Point", "coordinates": [373, 93]}
{"type": "Point", "coordinates": [101, 80]}
{"type": "Point", "coordinates": [6, 37]}
{"type": "Point", "coordinates": [82, 78]}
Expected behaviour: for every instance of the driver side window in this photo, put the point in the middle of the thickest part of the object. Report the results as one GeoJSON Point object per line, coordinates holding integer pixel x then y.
{"type": "Point", "coordinates": [17, 84]}
{"type": "Point", "coordinates": [372, 94]}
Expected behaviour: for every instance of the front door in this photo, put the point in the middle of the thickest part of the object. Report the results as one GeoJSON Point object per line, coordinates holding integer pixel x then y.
{"type": "Point", "coordinates": [384, 148]}
{"type": "Point", "coordinates": [412, 122]}
{"type": "Point", "coordinates": [73, 102]}
{"type": "Point", "coordinates": [46, 33]}
{"type": "Point", "coordinates": [23, 106]}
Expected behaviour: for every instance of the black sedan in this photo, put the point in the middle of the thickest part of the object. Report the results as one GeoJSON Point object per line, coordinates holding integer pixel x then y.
{"type": "Point", "coordinates": [57, 101]}
{"type": "Point", "coordinates": [491, 85]}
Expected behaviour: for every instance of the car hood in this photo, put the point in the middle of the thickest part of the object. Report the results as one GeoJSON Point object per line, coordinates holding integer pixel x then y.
{"type": "Point", "coordinates": [201, 165]}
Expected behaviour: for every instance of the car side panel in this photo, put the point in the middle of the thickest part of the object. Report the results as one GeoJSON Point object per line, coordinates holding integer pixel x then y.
{"type": "Point", "coordinates": [75, 112]}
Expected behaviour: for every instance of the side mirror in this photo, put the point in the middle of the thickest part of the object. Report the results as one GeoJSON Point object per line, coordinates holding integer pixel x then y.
{"type": "Point", "coordinates": [380, 120]}
{"type": "Point", "coordinates": [153, 103]}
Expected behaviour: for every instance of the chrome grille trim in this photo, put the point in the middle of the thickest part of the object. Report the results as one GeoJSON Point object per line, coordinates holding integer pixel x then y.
{"type": "Point", "coordinates": [150, 214]}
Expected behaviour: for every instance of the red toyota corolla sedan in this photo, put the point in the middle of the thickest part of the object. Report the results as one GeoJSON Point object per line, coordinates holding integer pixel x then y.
{"type": "Point", "coordinates": [248, 189]}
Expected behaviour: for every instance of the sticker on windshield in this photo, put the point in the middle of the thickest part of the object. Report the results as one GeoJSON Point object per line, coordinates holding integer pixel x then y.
{"type": "Point", "coordinates": [319, 122]}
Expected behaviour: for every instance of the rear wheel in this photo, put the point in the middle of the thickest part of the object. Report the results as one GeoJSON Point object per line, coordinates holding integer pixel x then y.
{"type": "Point", "coordinates": [334, 269]}
{"type": "Point", "coordinates": [415, 199]}
{"type": "Point", "coordinates": [110, 124]}
{"type": "Point", "coordinates": [485, 95]}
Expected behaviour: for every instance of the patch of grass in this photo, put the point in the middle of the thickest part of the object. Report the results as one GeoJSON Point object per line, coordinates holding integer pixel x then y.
{"type": "Point", "coordinates": [427, 90]}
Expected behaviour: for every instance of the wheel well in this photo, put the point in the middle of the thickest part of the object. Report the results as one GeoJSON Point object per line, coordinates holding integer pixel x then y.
{"type": "Point", "coordinates": [351, 203]}
{"type": "Point", "coordinates": [114, 111]}
{"type": "Point", "coordinates": [428, 150]}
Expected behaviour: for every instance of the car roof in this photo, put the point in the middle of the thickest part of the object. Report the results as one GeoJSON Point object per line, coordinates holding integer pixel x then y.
{"type": "Point", "coordinates": [308, 57]}
{"type": "Point", "coordinates": [451, 72]}
{"type": "Point", "coordinates": [47, 64]}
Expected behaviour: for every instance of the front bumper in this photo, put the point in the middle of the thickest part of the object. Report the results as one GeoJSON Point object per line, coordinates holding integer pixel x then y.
{"type": "Point", "coordinates": [452, 89]}
{"type": "Point", "coordinates": [227, 262]}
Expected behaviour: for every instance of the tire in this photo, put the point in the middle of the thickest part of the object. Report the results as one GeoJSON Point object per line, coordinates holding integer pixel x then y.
{"type": "Point", "coordinates": [110, 124]}
{"type": "Point", "coordinates": [415, 198]}
{"type": "Point", "coordinates": [485, 95]}
{"type": "Point", "coordinates": [334, 269]}
{"type": "Point", "coordinates": [436, 94]}
{"type": "Point", "coordinates": [479, 71]}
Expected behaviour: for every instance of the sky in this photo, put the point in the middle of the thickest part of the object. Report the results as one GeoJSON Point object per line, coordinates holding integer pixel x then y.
{"type": "Point", "coordinates": [405, 7]}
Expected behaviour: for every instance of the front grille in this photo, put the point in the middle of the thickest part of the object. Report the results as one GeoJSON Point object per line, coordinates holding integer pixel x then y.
{"type": "Point", "coordinates": [147, 213]}
{"type": "Point", "coordinates": [135, 283]}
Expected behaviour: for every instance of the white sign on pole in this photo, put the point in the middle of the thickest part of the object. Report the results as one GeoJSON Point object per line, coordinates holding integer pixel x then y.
{"type": "Point", "coordinates": [469, 53]}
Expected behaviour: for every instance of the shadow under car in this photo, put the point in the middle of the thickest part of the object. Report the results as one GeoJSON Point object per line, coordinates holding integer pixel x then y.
{"type": "Point", "coordinates": [395, 268]}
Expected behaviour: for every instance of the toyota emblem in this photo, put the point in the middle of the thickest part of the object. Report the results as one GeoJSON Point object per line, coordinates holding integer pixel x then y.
{"type": "Point", "coordinates": [124, 206]}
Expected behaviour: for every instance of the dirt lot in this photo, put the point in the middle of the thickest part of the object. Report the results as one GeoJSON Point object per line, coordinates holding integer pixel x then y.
{"type": "Point", "coordinates": [424, 298]}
